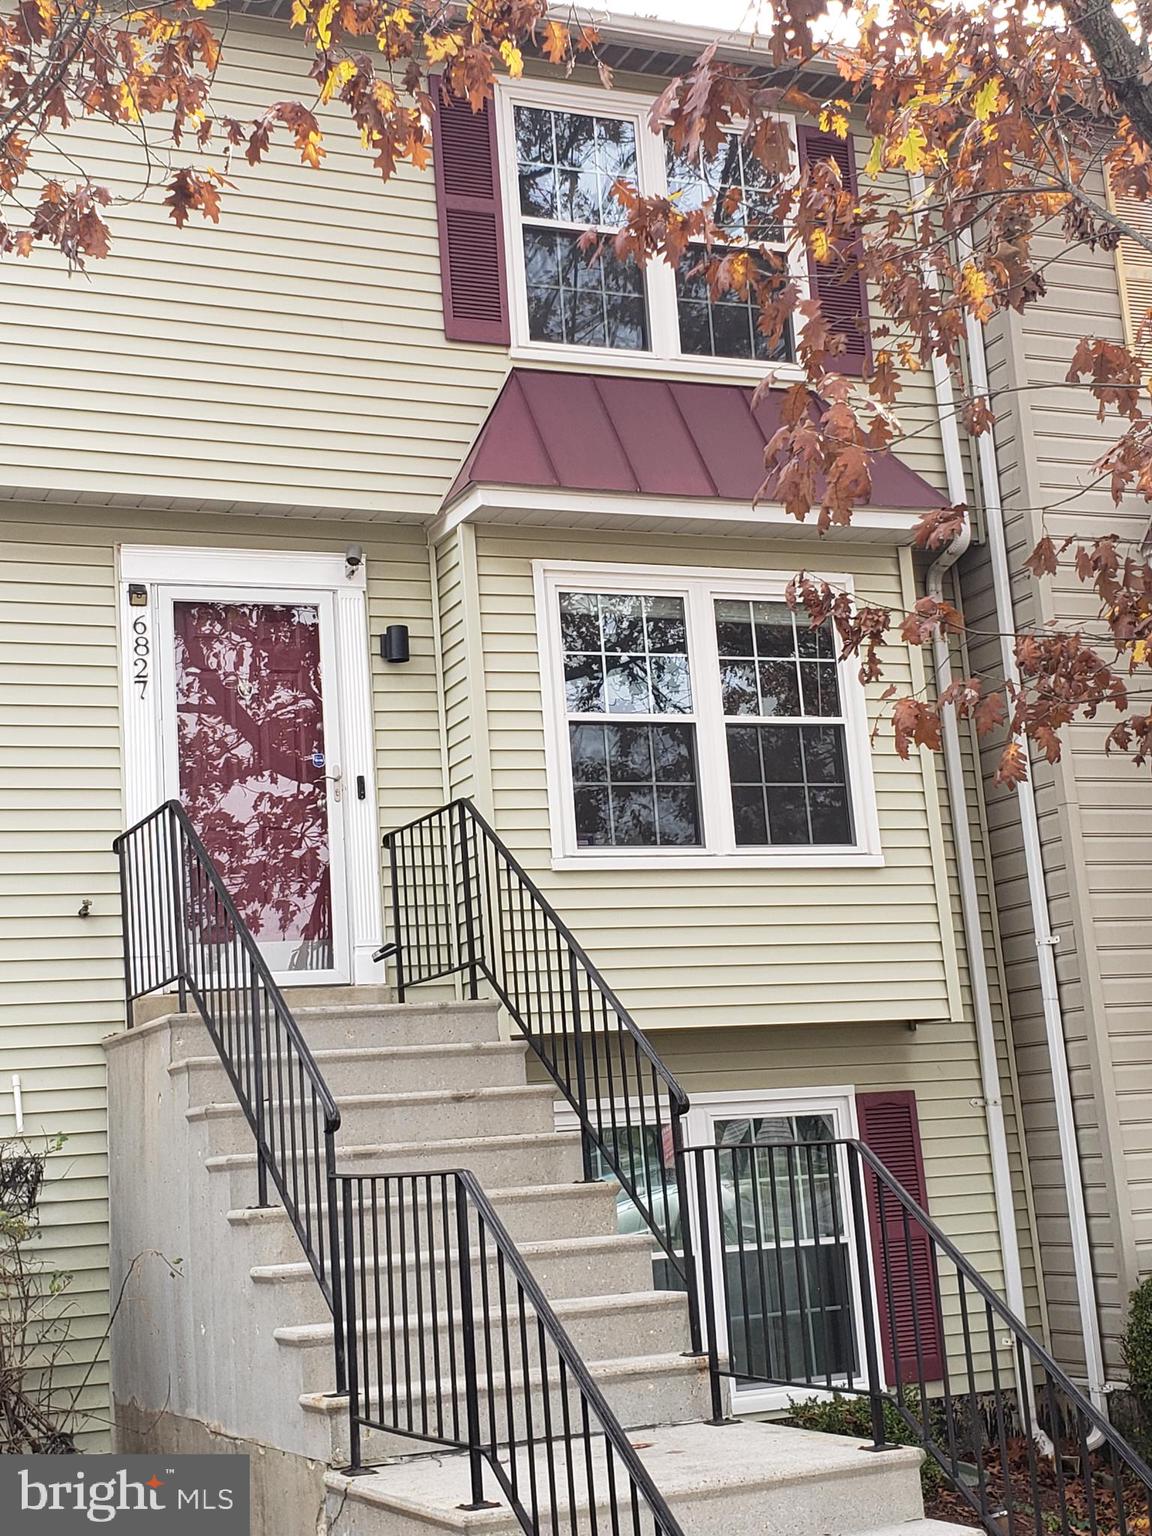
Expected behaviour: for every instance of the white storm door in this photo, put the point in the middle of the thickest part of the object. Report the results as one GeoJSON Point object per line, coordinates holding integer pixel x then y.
{"type": "Point", "coordinates": [251, 748]}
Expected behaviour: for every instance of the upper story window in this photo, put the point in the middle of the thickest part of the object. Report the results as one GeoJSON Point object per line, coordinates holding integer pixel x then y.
{"type": "Point", "coordinates": [566, 164]}
{"type": "Point", "coordinates": [728, 325]}
{"type": "Point", "coordinates": [561, 153]}
{"type": "Point", "coordinates": [692, 714]}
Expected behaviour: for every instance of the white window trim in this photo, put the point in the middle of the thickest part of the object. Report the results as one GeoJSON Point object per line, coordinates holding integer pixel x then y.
{"type": "Point", "coordinates": [664, 353]}
{"type": "Point", "coordinates": [719, 851]}
{"type": "Point", "coordinates": [840, 1103]}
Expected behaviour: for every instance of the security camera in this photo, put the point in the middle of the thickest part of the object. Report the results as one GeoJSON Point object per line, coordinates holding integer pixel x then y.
{"type": "Point", "coordinates": [354, 558]}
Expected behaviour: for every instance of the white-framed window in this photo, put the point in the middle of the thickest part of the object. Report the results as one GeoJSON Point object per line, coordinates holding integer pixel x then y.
{"type": "Point", "coordinates": [561, 149]}
{"type": "Point", "coordinates": [784, 1272]}
{"type": "Point", "coordinates": [691, 716]}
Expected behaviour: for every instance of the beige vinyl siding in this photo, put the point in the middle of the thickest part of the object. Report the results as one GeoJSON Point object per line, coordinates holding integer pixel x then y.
{"type": "Point", "coordinates": [60, 807]}
{"type": "Point", "coordinates": [734, 946]}
{"type": "Point", "coordinates": [1095, 812]}
{"type": "Point", "coordinates": [292, 356]}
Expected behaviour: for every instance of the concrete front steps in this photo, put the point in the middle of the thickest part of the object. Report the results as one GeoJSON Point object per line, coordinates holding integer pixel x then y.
{"type": "Point", "coordinates": [719, 1480]}
{"type": "Point", "coordinates": [432, 1087]}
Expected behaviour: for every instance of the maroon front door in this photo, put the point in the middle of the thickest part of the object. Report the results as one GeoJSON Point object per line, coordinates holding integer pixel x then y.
{"type": "Point", "coordinates": [253, 773]}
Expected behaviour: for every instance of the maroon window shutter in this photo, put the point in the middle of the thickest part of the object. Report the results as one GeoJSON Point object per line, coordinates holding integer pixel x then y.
{"type": "Point", "coordinates": [842, 292]}
{"type": "Point", "coordinates": [890, 1128]}
{"type": "Point", "coordinates": [468, 210]}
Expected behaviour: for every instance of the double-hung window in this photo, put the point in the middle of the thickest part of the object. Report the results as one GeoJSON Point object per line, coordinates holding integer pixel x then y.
{"type": "Point", "coordinates": [563, 148]}
{"type": "Point", "coordinates": [694, 715]}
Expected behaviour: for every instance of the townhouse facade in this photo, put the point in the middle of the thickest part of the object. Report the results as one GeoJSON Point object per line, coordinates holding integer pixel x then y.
{"type": "Point", "coordinates": [373, 498]}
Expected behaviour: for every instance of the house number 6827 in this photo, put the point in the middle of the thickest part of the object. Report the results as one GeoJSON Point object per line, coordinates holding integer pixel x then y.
{"type": "Point", "coordinates": [141, 650]}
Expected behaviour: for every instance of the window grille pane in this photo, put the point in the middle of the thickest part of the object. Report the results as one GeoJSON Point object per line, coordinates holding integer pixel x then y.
{"type": "Point", "coordinates": [789, 781]}
{"type": "Point", "coordinates": [741, 190]}
{"type": "Point", "coordinates": [567, 163]}
{"type": "Point", "coordinates": [742, 195]}
{"type": "Point", "coordinates": [635, 785]}
{"type": "Point", "coordinates": [597, 304]}
{"type": "Point", "coordinates": [728, 325]}
{"type": "Point", "coordinates": [625, 655]}
{"type": "Point", "coordinates": [789, 785]}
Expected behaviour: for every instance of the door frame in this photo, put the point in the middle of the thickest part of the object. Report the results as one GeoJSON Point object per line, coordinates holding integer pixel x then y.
{"type": "Point", "coordinates": [748, 1103]}
{"type": "Point", "coordinates": [169, 571]}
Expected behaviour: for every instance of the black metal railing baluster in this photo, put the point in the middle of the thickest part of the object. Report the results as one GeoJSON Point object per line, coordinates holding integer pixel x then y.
{"type": "Point", "coordinates": [541, 1446]}
{"type": "Point", "coordinates": [508, 933]}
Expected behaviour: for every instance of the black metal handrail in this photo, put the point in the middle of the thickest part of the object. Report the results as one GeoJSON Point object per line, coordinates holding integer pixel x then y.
{"type": "Point", "coordinates": [462, 903]}
{"type": "Point", "coordinates": [791, 1234]}
{"type": "Point", "coordinates": [181, 928]}
{"type": "Point", "coordinates": [450, 1339]}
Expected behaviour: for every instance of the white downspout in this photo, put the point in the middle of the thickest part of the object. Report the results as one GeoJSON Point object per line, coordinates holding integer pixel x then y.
{"type": "Point", "coordinates": [966, 870]}
{"type": "Point", "coordinates": [1037, 887]}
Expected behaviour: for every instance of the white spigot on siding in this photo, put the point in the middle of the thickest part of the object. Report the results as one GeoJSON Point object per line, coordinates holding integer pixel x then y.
{"type": "Point", "coordinates": [18, 1103]}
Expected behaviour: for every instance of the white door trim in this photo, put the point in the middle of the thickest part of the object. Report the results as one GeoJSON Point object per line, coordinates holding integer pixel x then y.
{"type": "Point", "coordinates": [252, 573]}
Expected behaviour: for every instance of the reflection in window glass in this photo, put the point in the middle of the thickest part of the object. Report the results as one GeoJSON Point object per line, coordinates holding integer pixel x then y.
{"type": "Point", "coordinates": [789, 781]}
{"type": "Point", "coordinates": [787, 1273]}
{"type": "Point", "coordinates": [567, 163]}
{"type": "Point", "coordinates": [742, 199]}
{"type": "Point", "coordinates": [634, 781]}
{"type": "Point", "coordinates": [726, 326]}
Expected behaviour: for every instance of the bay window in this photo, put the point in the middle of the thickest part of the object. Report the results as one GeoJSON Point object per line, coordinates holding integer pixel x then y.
{"type": "Point", "coordinates": [566, 147]}
{"type": "Point", "coordinates": [694, 715]}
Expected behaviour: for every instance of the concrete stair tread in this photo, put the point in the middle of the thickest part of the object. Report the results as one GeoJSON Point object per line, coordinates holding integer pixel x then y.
{"type": "Point", "coordinates": [529, 1094]}
{"type": "Point", "coordinates": [313, 1010]}
{"type": "Point", "coordinates": [257, 1215]}
{"type": "Point", "coordinates": [701, 1461]}
{"type": "Point", "coordinates": [407, 1010]}
{"type": "Point", "coordinates": [620, 1367]}
{"type": "Point", "coordinates": [512, 1142]}
{"type": "Point", "coordinates": [311, 1335]}
{"type": "Point", "coordinates": [613, 1242]}
{"type": "Point", "coordinates": [441, 1050]}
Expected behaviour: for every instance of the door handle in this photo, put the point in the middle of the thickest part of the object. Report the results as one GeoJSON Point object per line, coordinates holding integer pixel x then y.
{"type": "Point", "coordinates": [335, 778]}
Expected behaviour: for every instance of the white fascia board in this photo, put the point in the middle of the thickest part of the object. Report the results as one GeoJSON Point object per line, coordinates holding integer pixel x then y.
{"type": "Point", "coordinates": [472, 504]}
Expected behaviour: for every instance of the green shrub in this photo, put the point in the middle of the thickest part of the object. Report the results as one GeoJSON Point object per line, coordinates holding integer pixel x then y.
{"type": "Point", "coordinates": [1136, 1347]}
{"type": "Point", "coordinates": [852, 1416]}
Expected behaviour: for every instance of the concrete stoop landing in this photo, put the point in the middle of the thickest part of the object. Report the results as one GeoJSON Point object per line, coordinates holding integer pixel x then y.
{"type": "Point", "coordinates": [743, 1479]}
{"type": "Point", "coordinates": [425, 1087]}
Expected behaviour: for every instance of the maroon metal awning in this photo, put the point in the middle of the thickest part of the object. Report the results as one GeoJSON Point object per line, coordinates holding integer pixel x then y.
{"type": "Point", "coordinates": [550, 430]}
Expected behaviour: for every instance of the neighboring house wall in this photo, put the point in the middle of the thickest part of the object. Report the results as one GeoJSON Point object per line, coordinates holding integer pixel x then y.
{"type": "Point", "coordinates": [1095, 810]}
